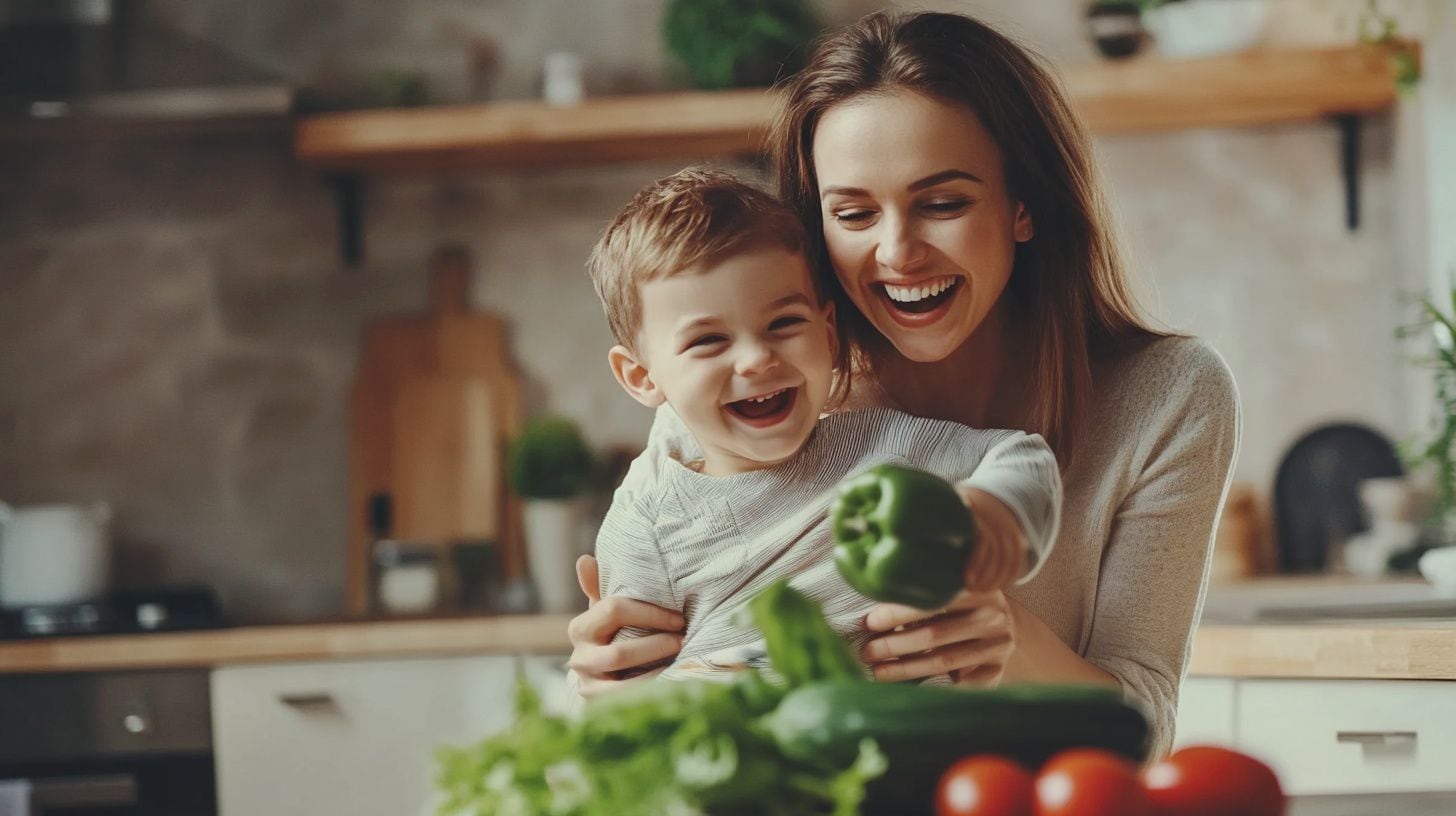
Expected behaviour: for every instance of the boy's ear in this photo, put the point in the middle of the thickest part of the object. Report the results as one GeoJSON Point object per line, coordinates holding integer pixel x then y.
{"type": "Point", "coordinates": [634, 377]}
{"type": "Point", "coordinates": [1023, 229]}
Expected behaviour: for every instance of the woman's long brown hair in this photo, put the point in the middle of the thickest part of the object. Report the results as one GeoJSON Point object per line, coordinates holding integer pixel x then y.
{"type": "Point", "coordinates": [1070, 293]}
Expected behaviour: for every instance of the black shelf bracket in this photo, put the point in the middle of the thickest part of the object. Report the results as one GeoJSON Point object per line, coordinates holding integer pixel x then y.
{"type": "Point", "coordinates": [1349, 125]}
{"type": "Point", "coordinates": [349, 200]}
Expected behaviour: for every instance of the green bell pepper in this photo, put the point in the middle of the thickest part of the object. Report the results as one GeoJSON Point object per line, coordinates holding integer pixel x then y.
{"type": "Point", "coordinates": [902, 535]}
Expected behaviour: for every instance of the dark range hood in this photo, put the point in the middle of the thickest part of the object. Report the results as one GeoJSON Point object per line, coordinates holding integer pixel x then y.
{"type": "Point", "coordinates": [91, 60]}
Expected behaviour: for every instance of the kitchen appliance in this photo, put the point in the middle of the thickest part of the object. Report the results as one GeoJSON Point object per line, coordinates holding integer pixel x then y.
{"type": "Point", "coordinates": [108, 743]}
{"type": "Point", "coordinates": [1316, 491]}
{"type": "Point", "coordinates": [433, 404]}
{"type": "Point", "coordinates": [167, 609]}
{"type": "Point", "coordinates": [113, 60]}
{"type": "Point", "coordinates": [53, 554]}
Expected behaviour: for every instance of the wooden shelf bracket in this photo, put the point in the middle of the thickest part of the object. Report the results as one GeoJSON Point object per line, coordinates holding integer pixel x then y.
{"type": "Point", "coordinates": [349, 201]}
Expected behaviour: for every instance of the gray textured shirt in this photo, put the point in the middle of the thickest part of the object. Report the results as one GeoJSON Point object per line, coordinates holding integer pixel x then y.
{"type": "Point", "coordinates": [704, 545]}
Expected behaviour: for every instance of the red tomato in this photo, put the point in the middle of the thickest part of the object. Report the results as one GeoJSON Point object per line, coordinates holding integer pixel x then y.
{"type": "Point", "coordinates": [1090, 782]}
{"type": "Point", "coordinates": [984, 785]}
{"type": "Point", "coordinates": [1203, 780]}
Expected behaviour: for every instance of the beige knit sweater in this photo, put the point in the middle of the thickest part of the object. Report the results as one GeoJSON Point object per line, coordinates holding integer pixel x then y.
{"type": "Point", "coordinates": [1124, 584]}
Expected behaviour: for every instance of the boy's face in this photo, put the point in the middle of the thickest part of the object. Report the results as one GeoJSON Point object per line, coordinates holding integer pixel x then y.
{"type": "Point", "coordinates": [743, 352]}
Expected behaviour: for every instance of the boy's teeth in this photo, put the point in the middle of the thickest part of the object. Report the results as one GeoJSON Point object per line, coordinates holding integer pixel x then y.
{"type": "Point", "coordinates": [910, 294]}
{"type": "Point", "coordinates": [767, 397]}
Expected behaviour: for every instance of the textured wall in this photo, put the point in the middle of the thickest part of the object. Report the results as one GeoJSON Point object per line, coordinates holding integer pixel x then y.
{"type": "Point", "coordinates": [177, 335]}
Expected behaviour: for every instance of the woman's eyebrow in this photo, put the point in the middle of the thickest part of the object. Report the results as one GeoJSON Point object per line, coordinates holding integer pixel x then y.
{"type": "Point", "coordinates": [914, 186]}
{"type": "Point", "coordinates": [943, 176]}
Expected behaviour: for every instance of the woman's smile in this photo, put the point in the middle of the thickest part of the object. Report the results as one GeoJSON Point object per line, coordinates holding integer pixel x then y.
{"type": "Point", "coordinates": [921, 304]}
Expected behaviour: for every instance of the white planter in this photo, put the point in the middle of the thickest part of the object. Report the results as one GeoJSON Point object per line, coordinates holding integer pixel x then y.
{"type": "Point", "coordinates": [554, 540]}
{"type": "Point", "coordinates": [1201, 28]}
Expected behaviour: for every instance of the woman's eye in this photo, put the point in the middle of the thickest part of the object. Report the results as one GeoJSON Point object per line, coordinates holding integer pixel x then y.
{"type": "Point", "coordinates": [851, 218]}
{"type": "Point", "coordinates": [947, 207]}
{"type": "Point", "coordinates": [788, 322]}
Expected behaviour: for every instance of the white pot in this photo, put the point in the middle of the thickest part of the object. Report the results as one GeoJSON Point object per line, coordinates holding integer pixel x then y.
{"type": "Point", "coordinates": [554, 540]}
{"type": "Point", "coordinates": [1201, 28]}
{"type": "Point", "coordinates": [53, 554]}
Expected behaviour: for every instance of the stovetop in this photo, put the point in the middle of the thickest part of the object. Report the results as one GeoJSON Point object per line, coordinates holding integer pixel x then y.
{"type": "Point", "coordinates": [168, 609]}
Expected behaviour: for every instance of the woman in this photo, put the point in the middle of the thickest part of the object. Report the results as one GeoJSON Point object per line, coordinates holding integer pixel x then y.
{"type": "Point", "coordinates": [933, 155]}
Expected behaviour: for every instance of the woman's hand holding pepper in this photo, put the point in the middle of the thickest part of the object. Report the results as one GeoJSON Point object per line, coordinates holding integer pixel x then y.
{"type": "Point", "coordinates": [598, 664]}
{"type": "Point", "coordinates": [971, 640]}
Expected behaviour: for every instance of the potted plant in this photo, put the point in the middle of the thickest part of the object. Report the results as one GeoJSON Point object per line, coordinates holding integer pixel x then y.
{"type": "Point", "coordinates": [738, 43]}
{"type": "Point", "coordinates": [1201, 28]}
{"type": "Point", "coordinates": [550, 466]}
{"type": "Point", "coordinates": [1116, 27]}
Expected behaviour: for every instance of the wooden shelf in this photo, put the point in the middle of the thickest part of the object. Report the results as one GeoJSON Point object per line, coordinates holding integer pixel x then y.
{"type": "Point", "coordinates": [1143, 94]}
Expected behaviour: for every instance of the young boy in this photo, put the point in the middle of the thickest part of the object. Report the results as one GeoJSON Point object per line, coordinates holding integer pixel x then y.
{"type": "Point", "coordinates": [721, 327]}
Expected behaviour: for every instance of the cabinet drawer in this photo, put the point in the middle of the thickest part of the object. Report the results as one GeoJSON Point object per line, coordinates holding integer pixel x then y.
{"type": "Point", "coordinates": [352, 737]}
{"type": "Point", "coordinates": [1205, 712]}
{"type": "Point", "coordinates": [1339, 736]}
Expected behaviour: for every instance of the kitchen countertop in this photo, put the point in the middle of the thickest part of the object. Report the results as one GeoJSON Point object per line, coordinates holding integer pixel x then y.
{"type": "Point", "coordinates": [1381, 804]}
{"type": "Point", "coordinates": [506, 634]}
{"type": "Point", "coordinates": [1231, 642]}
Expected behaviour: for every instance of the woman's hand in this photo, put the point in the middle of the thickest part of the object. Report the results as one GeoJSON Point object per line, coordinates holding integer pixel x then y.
{"type": "Point", "coordinates": [596, 662]}
{"type": "Point", "coordinates": [970, 640]}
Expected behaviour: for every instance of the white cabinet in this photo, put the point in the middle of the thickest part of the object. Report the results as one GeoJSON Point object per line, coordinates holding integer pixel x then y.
{"type": "Point", "coordinates": [355, 737]}
{"type": "Point", "coordinates": [1352, 736]}
{"type": "Point", "coordinates": [1330, 736]}
{"type": "Point", "coordinates": [1205, 712]}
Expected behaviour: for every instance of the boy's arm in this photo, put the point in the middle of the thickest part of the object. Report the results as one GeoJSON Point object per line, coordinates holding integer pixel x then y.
{"type": "Point", "coordinates": [629, 562]}
{"type": "Point", "coordinates": [1015, 493]}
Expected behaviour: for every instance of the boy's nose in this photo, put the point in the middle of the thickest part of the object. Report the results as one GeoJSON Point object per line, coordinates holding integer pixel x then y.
{"type": "Point", "coordinates": [756, 358]}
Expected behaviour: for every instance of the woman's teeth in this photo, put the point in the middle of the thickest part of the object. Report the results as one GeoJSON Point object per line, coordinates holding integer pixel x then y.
{"type": "Point", "coordinates": [911, 294]}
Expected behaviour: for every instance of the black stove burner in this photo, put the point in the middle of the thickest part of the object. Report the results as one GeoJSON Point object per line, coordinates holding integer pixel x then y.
{"type": "Point", "coordinates": [169, 609]}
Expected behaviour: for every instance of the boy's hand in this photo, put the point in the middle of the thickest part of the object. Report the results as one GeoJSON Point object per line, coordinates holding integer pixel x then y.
{"type": "Point", "coordinates": [999, 556]}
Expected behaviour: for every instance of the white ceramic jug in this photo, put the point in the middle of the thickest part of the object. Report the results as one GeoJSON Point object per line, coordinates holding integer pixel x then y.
{"type": "Point", "coordinates": [53, 553]}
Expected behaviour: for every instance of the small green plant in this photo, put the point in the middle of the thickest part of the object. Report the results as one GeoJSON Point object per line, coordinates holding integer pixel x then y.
{"type": "Point", "coordinates": [738, 43]}
{"type": "Point", "coordinates": [1438, 450]}
{"type": "Point", "coordinates": [550, 460]}
{"type": "Point", "coordinates": [1378, 28]}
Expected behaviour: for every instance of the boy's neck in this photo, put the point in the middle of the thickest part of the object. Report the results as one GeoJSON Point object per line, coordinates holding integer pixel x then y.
{"type": "Point", "coordinates": [724, 464]}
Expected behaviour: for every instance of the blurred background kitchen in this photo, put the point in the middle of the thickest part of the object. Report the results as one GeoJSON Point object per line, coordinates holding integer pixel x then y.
{"type": "Point", "coordinates": [294, 342]}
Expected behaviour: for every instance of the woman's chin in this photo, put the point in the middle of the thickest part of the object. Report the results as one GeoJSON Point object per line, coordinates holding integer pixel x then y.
{"type": "Point", "coordinates": [924, 345]}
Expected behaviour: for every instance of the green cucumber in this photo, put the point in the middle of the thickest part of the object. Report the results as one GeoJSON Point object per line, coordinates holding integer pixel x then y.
{"type": "Point", "coordinates": [922, 730]}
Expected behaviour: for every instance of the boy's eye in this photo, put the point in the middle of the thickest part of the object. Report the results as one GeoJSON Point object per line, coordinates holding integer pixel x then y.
{"type": "Point", "coordinates": [786, 322]}
{"type": "Point", "coordinates": [705, 340]}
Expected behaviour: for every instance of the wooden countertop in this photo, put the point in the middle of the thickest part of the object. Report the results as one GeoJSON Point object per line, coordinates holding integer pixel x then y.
{"type": "Point", "coordinates": [268, 644]}
{"type": "Point", "coordinates": [1405, 649]}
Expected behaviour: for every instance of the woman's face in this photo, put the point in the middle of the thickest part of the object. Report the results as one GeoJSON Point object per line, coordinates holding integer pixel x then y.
{"type": "Point", "coordinates": [920, 226]}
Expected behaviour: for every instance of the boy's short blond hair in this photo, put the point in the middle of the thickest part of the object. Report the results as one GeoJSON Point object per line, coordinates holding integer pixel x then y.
{"type": "Point", "coordinates": [690, 220]}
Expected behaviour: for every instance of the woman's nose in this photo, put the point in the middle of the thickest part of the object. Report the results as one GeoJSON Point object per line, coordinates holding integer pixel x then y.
{"type": "Point", "coordinates": [899, 249]}
{"type": "Point", "coordinates": [754, 359]}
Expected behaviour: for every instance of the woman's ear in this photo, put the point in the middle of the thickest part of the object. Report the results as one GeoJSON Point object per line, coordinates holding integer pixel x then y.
{"type": "Point", "coordinates": [1023, 229]}
{"type": "Point", "coordinates": [634, 377]}
{"type": "Point", "coordinates": [830, 323]}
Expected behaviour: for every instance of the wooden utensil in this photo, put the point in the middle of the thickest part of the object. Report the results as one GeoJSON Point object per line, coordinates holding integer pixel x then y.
{"type": "Point", "coordinates": [434, 402]}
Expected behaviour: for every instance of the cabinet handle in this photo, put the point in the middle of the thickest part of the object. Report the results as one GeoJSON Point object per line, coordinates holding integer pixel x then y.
{"type": "Point", "coordinates": [1376, 737]}
{"type": "Point", "coordinates": [306, 699]}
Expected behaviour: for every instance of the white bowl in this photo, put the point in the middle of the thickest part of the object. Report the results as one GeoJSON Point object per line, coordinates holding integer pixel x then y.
{"type": "Point", "coordinates": [1439, 567]}
{"type": "Point", "coordinates": [1201, 28]}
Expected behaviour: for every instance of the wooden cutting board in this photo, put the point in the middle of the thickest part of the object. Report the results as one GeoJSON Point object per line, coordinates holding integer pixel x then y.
{"type": "Point", "coordinates": [434, 402]}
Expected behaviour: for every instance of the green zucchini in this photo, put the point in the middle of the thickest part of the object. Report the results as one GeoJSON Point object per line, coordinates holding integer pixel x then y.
{"type": "Point", "coordinates": [923, 729]}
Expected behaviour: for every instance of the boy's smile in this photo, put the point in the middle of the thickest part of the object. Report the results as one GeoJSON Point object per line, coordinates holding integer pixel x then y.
{"type": "Point", "coordinates": [743, 351]}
